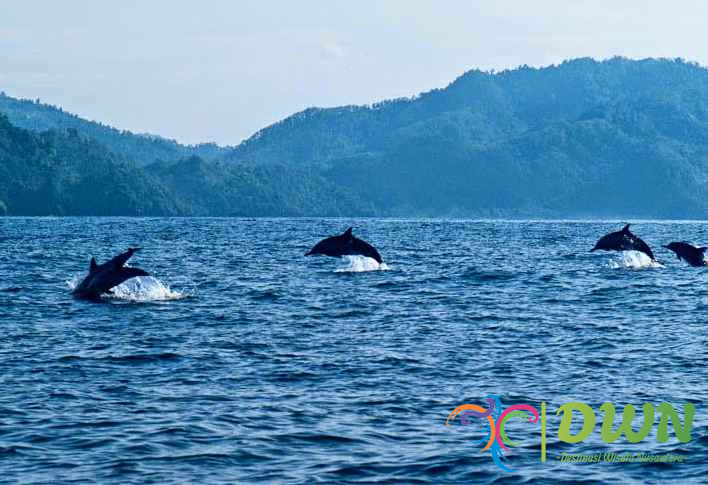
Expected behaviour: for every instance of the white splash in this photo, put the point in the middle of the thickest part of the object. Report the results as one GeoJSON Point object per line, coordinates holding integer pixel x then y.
{"type": "Point", "coordinates": [358, 264]}
{"type": "Point", "coordinates": [634, 260]}
{"type": "Point", "coordinates": [74, 282]}
{"type": "Point", "coordinates": [144, 289]}
{"type": "Point", "coordinates": [139, 289]}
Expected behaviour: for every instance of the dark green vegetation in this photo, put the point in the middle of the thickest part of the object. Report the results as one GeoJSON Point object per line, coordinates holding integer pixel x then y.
{"type": "Point", "coordinates": [63, 173]}
{"type": "Point", "coordinates": [216, 188]}
{"type": "Point", "coordinates": [142, 149]}
{"type": "Point", "coordinates": [616, 138]}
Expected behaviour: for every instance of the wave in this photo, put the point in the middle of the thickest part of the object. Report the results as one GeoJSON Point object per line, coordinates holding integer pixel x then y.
{"type": "Point", "coordinates": [140, 289]}
{"type": "Point", "coordinates": [358, 264]}
{"type": "Point", "coordinates": [634, 260]}
{"type": "Point", "coordinates": [474, 274]}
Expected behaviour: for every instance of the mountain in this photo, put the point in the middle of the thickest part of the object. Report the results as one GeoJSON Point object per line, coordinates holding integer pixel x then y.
{"type": "Point", "coordinates": [142, 149]}
{"type": "Point", "coordinates": [63, 173]}
{"type": "Point", "coordinates": [584, 138]}
{"type": "Point", "coordinates": [221, 189]}
{"type": "Point", "coordinates": [615, 138]}
{"type": "Point", "coordinates": [478, 108]}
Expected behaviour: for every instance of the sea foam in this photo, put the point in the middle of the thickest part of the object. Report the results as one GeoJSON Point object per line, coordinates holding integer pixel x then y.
{"type": "Point", "coordinates": [139, 289]}
{"type": "Point", "coordinates": [358, 264]}
{"type": "Point", "coordinates": [634, 260]}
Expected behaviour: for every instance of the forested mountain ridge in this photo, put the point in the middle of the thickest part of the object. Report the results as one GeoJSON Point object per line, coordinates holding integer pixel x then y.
{"type": "Point", "coordinates": [64, 173]}
{"type": "Point", "coordinates": [61, 172]}
{"type": "Point", "coordinates": [582, 139]}
{"type": "Point", "coordinates": [478, 108]}
{"type": "Point", "coordinates": [617, 138]}
{"type": "Point", "coordinates": [142, 149]}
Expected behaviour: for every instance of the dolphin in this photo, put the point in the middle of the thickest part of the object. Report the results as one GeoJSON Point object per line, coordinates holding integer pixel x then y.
{"type": "Point", "coordinates": [344, 245]}
{"type": "Point", "coordinates": [691, 254]}
{"type": "Point", "coordinates": [623, 240]}
{"type": "Point", "coordinates": [102, 278]}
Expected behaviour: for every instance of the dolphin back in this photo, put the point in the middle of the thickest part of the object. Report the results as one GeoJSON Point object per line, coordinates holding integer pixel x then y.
{"type": "Point", "coordinates": [326, 246]}
{"type": "Point", "coordinates": [687, 252]}
{"type": "Point", "coordinates": [623, 240]}
{"type": "Point", "coordinates": [345, 244]}
{"type": "Point", "coordinates": [365, 249]}
{"type": "Point", "coordinates": [640, 245]}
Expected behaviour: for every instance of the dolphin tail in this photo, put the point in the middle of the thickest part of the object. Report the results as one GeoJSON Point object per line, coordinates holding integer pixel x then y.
{"type": "Point", "coordinates": [123, 258]}
{"type": "Point", "coordinates": [132, 272]}
{"type": "Point", "coordinates": [124, 274]}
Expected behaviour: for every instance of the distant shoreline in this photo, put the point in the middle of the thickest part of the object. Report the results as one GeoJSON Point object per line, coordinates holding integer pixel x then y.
{"type": "Point", "coordinates": [612, 220]}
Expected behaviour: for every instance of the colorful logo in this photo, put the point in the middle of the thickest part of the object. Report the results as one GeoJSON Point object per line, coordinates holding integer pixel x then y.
{"type": "Point", "coordinates": [495, 419]}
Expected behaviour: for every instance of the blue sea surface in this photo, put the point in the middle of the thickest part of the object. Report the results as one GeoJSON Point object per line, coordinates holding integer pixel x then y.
{"type": "Point", "coordinates": [242, 361]}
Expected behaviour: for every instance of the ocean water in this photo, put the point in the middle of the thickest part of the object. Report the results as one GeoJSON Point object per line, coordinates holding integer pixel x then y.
{"type": "Point", "coordinates": [242, 361]}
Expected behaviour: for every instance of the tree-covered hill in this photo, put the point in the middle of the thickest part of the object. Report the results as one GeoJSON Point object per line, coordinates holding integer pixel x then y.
{"type": "Point", "coordinates": [618, 138]}
{"type": "Point", "coordinates": [64, 173]}
{"type": "Point", "coordinates": [480, 108]}
{"type": "Point", "coordinates": [221, 189]}
{"type": "Point", "coordinates": [584, 138]}
{"type": "Point", "coordinates": [142, 149]}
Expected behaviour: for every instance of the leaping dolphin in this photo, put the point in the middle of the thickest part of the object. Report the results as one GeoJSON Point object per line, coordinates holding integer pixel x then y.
{"type": "Point", "coordinates": [623, 240]}
{"type": "Point", "coordinates": [691, 254]}
{"type": "Point", "coordinates": [345, 244]}
{"type": "Point", "coordinates": [102, 278]}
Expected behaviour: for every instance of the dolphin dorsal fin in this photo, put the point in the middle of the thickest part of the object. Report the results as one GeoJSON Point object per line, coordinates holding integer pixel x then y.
{"type": "Point", "coordinates": [703, 249]}
{"type": "Point", "coordinates": [625, 229]}
{"type": "Point", "coordinates": [93, 265]}
{"type": "Point", "coordinates": [348, 232]}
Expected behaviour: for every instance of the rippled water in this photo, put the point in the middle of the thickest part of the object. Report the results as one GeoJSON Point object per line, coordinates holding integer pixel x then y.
{"type": "Point", "coordinates": [243, 361]}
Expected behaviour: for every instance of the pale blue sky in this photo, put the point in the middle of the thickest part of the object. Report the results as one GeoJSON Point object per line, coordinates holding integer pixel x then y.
{"type": "Point", "coordinates": [220, 70]}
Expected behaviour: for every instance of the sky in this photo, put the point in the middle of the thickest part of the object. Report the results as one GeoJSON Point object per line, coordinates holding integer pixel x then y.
{"type": "Point", "coordinates": [219, 70]}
